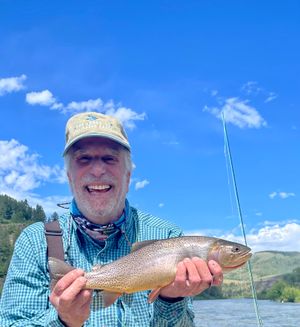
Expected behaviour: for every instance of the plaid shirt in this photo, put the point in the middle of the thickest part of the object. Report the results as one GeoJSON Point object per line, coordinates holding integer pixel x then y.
{"type": "Point", "coordinates": [25, 297]}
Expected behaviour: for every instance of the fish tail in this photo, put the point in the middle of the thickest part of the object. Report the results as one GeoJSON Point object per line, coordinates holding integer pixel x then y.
{"type": "Point", "coordinates": [58, 269]}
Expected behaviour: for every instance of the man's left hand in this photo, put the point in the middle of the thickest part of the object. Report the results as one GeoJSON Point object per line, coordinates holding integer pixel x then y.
{"type": "Point", "coordinates": [193, 276]}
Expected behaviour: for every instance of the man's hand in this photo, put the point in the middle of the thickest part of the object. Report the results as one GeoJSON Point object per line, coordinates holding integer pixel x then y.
{"type": "Point", "coordinates": [193, 276]}
{"type": "Point", "coordinates": [71, 301]}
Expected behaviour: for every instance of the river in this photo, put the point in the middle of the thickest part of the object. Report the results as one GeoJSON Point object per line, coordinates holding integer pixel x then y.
{"type": "Point", "coordinates": [241, 313]}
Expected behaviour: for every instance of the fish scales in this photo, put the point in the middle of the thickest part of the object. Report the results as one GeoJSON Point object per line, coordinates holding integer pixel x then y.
{"type": "Point", "coordinates": [149, 267]}
{"type": "Point", "coordinates": [152, 264]}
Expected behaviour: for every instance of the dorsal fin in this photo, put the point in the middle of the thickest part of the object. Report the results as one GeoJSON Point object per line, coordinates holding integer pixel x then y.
{"type": "Point", "coordinates": [138, 245]}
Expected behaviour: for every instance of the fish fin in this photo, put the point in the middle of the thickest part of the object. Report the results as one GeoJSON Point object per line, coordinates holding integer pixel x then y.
{"type": "Point", "coordinates": [109, 298]}
{"type": "Point", "coordinates": [58, 269]}
{"type": "Point", "coordinates": [97, 267]}
{"type": "Point", "coordinates": [154, 295]}
{"type": "Point", "coordinates": [138, 245]}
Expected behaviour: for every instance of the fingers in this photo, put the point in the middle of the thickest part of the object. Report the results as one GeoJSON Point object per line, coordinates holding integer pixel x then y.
{"type": "Point", "coordinates": [193, 276]}
{"type": "Point", "coordinates": [199, 276]}
{"type": "Point", "coordinates": [71, 301]}
{"type": "Point", "coordinates": [72, 292]}
{"type": "Point", "coordinates": [67, 280]}
{"type": "Point", "coordinates": [181, 276]}
{"type": "Point", "coordinates": [216, 272]}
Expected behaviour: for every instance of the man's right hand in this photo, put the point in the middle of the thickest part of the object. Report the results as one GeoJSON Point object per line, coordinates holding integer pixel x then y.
{"type": "Point", "coordinates": [71, 301]}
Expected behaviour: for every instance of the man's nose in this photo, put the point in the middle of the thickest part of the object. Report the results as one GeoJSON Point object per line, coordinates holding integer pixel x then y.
{"type": "Point", "coordinates": [98, 167]}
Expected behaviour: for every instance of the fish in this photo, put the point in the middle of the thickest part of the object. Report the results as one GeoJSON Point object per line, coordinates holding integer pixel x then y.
{"type": "Point", "coordinates": [152, 264]}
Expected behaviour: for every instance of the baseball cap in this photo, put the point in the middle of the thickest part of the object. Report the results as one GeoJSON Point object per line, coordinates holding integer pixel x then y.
{"type": "Point", "coordinates": [91, 124]}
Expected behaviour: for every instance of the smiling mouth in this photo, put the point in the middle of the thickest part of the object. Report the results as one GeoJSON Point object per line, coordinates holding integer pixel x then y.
{"type": "Point", "coordinates": [98, 188]}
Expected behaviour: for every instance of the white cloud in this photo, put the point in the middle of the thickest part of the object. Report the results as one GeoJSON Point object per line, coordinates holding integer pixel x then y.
{"type": "Point", "coordinates": [160, 205]}
{"type": "Point", "coordinates": [239, 113]}
{"type": "Point", "coordinates": [21, 172]}
{"type": "Point", "coordinates": [274, 237]}
{"type": "Point", "coordinates": [57, 106]}
{"type": "Point", "coordinates": [43, 98]}
{"type": "Point", "coordinates": [285, 195]}
{"type": "Point", "coordinates": [141, 184]}
{"type": "Point", "coordinates": [251, 88]}
{"type": "Point", "coordinates": [282, 195]}
{"type": "Point", "coordinates": [12, 84]}
{"type": "Point", "coordinates": [126, 116]}
{"type": "Point", "coordinates": [272, 96]}
{"type": "Point", "coordinates": [89, 105]}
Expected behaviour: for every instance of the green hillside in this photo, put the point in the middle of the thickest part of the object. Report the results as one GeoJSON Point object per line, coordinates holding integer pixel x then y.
{"type": "Point", "coordinates": [268, 264]}
{"type": "Point", "coordinates": [268, 268]}
{"type": "Point", "coordinates": [14, 217]}
{"type": "Point", "coordinates": [8, 235]}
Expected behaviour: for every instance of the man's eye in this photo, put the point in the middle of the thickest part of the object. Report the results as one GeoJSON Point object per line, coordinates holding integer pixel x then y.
{"type": "Point", "coordinates": [109, 159]}
{"type": "Point", "coordinates": [84, 159]}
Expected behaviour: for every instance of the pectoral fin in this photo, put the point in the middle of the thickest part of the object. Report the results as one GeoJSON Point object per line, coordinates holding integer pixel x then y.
{"type": "Point", "coordinates": [57, 270]}
{"type": "Point", "coordinates": [96, 268]}
{"type": "Point", "coordinates": [154, 295]}
{"type": "Point", "coordinates": [109, 298]}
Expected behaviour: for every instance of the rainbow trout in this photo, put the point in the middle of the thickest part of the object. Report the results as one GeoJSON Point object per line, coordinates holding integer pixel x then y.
{"type": "Point", "coordinates": [151, 265]}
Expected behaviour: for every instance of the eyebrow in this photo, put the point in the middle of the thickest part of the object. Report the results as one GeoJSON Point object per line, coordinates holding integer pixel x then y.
{"type": "Point", "coordinates": [77, 150]}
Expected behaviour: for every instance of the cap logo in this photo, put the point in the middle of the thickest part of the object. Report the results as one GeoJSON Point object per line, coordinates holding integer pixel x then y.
{"type": "Point", "coordinates": [91, 117]}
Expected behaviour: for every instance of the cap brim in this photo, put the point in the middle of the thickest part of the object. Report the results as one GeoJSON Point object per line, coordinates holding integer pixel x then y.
{"type": "Point", "coordinates": [103, 135]}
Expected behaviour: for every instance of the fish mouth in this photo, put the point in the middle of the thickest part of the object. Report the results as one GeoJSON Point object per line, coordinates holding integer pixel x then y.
{"type": "Point", "coordinates": [241, 261]}
{"type": "Point", "coordinates": [98, 188]}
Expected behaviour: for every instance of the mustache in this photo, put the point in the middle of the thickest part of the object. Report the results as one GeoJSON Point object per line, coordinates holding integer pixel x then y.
{"type": "Point", "coordinates": [101, 180]}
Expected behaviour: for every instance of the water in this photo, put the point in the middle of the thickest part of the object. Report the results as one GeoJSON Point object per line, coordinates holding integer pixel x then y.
{"type": "Point", "coordinates": [241, 313]}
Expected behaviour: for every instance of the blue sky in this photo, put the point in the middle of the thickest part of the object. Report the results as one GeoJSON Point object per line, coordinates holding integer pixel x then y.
{"type": "Point", "coordinates": [167, 69]}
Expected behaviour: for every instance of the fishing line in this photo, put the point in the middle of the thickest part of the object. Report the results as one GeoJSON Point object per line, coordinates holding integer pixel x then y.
{"type": "Point", "coordinates": [238, 204]}
{"type": "Point", "coordinates": [230, 187]}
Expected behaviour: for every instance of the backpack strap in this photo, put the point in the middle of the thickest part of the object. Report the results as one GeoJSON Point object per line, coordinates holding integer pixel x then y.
{"type": "Point", "coordinates": [54, 234]}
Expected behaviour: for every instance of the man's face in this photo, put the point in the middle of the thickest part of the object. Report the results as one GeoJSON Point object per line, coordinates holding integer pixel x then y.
{"type": "Point", "coordinates": [99, 178]}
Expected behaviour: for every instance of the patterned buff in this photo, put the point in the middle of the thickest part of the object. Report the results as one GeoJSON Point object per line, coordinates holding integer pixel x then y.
{"type": "Point", "coordinates": [97, 232]}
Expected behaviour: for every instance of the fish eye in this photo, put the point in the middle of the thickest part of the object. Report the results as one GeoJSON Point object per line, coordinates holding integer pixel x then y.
{"type": "Point", "coordinates": [235, 249]}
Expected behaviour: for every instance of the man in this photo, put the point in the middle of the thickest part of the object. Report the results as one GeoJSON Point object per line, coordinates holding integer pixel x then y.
{"type": "Point", "coordinates": [100, 227]}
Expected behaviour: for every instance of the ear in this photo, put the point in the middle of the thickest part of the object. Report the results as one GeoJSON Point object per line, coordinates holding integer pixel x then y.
{"type": "Point", "coordinates": [128, 179]}
{"type": "Point", "coordinates": [70, 181]}
{"type": "Point", "coordinates": [69, 176]}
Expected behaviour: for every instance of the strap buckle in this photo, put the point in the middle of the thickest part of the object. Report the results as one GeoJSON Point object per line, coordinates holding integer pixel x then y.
{"type": "Point", "coordinates": [54, 232]}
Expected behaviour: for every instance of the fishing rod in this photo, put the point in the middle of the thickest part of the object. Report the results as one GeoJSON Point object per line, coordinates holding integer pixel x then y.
{"type": "Point", "coordinates": [227, 152]}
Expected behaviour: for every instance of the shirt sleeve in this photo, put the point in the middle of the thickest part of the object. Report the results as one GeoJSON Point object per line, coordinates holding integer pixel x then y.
{"type": "Point", "coordinates": [24, 300]}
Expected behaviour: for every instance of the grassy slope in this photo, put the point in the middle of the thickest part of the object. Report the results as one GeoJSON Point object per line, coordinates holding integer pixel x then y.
{"type": "Point", "coordinates": [8, 235]}
{"type": "Point", "coordinates": [267, 268]}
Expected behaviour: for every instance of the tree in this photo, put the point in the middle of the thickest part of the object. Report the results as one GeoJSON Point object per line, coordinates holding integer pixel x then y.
{"type": "Point", "coordinates": [17, 217]}
{"type": "Point", "coordinates": [38, 214]}
{"type": "Point", "coordinates": [275, 292]}
{"type": "Point", "coordinates": [54, 216]}
{"type": "Point", "coordinates": [290, 294]}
